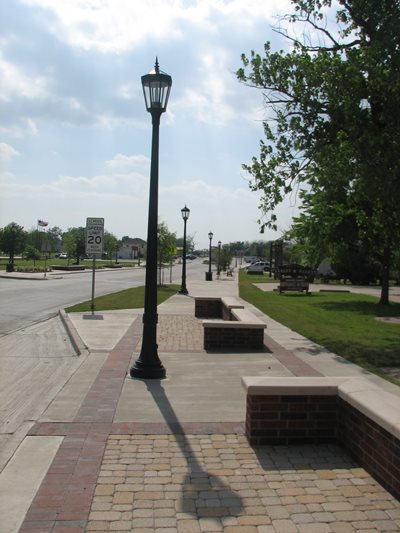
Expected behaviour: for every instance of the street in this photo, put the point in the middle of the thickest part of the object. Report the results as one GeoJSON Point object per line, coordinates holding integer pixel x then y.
{"type": "Point", "coordinates": [26, 301]}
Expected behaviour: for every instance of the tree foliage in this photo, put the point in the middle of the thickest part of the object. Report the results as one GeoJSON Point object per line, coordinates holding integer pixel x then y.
{"type": "Point", "coordinates": [74, 243]}
{"type": "Point", "coordinates": [69, 245]}
{"type": "Point", "coordinates": [334, 127]}
{"type": "Point", "coordinates": [166, 243]}
{"type": "Point", "coordinates": [12, 240]}
{"type": "Point", "coordinates": [31, 253]}
{"type": "Point", "coordinates": [111, 244]}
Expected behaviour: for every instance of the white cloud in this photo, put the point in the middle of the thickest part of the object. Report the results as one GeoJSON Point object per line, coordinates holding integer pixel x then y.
{"type": "Point", "coordinates": [19, 128]}
{"type": "Point", "coordinates": [6, 176]}
{"type": "Point", "coordinates": [111, 25]}
{"type": "Point", "coordinates": [123, 162]}
{"type": "Point", "coordinates": [7, 152]}
{"type": "Point", "coordinates": [14, 82]}
{"type": "Point", "coordinates": [119, 25]}
{"type": "Point", "coordinates": [210, 100]}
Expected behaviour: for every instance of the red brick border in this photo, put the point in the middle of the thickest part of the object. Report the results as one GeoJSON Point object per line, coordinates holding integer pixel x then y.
{"type": "Point", "coordinates": [64, 498]}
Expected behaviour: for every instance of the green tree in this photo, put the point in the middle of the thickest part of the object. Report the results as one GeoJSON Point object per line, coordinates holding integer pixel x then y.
{"type": "Point", "coordinates": [31, 253]}
{"type": "Point", "coordinates": [12, 240]}
{"type": "Point", "coordinates": [225, 257]}
{"type": "Point", "coordinates": [69, 245]}
{"type": "Point", "coordinates": [54, 237]}
{"type": "Point", "coordinates": [35, 238]}
{"type": "Point", "coordinates": [189, 243]}
{"type": "Point", "coordinates": [334, 101]}
{"type": "Point", "coordinates": [78, 237]}
{"type": "Point", "coordinates": [166, 247]}
{"type": "Point", "coordinates": [111, 244]}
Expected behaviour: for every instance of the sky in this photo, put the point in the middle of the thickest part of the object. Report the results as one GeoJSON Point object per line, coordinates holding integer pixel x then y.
{"type": "Point", "coordinates": [75, 137]}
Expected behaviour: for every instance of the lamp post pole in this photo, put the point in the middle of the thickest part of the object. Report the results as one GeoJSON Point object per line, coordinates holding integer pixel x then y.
{"type": "Point", "coordinates": [156, 89]}
{"type": "Point", "coordinates": [185, 215]}
{"type": "Point", "coordinates": [219, 259]}
{"type": "Point", "coordinates": [209, 273]}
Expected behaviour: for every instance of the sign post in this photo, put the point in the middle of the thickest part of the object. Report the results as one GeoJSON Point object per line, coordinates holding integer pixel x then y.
{"type": "Point", "coordinates": [94, 246]}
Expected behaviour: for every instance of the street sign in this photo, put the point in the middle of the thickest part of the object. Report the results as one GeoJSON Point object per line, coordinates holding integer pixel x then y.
{"type": "Point", "coordinates": [94, 236]}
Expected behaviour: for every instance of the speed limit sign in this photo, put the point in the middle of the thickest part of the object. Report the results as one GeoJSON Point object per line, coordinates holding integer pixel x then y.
{"type": "Point", "coordinates": [94, 236]}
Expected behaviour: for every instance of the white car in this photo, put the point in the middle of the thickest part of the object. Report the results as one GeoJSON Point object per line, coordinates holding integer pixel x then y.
{"type": "Point", "coordinates": [258, 266]}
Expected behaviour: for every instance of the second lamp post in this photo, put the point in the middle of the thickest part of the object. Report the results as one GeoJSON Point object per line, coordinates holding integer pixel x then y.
{"type": "Point", "coordinates": [185, 215]}
{"type": "Point", "coordinates": [209, 273]}
{"type": "Point", "coordinates": [219, 259]}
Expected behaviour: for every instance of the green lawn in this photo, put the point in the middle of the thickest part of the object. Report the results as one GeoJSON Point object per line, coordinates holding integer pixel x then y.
{"type": "Point", "coordinates": [126, 299]}
{"type": "Point", "coordinates": [344, 323]}
{"type": "Point", "coordinates": [30, 265]}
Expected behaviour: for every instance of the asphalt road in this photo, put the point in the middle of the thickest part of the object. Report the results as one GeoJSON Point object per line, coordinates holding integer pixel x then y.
{"type": "Point", "coordinates": [26, 301]}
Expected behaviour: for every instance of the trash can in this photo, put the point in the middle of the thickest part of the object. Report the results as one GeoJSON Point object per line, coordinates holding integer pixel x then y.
{"type": "Point", "coordinates": [208, 276]}
{"type": "Point", "coordinates": [9, 267]}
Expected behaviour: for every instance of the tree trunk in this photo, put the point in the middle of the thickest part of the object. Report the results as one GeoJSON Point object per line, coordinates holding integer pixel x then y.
{"type": "Point", "coordinates": [385, 277]}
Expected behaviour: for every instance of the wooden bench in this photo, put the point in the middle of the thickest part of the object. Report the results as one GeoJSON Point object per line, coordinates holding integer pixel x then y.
{"type": "Point", "coordinates": [353, 412]}
{"type": "Point", "coordinates": [294, 284]}
{"type": "Point", "coordinates": [228, 325]}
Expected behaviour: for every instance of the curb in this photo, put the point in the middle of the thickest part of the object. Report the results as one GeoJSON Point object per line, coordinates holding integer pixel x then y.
{"type": "Point", "coordinates": [24, 277]}
{"type": "Point", "coordinates": [76, 341]}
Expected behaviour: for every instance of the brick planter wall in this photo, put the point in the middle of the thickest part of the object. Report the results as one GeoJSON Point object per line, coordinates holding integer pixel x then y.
{"type": "Point", "coordinates": [291, 419]}
{"type": "Point", "coordinates": [287, 419]}
{"type": "Point", "coordinates": [220, 338]}
{"type": "Point", "coordinates": [208, 308]}
{"type": "Point", "coordinates": [377, 450]}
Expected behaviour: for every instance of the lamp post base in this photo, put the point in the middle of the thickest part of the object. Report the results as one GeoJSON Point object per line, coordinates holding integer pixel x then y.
{"type": "Point", "coordinates": [208, 276]}
{"type": "Point", "coordinates": [144, 371]}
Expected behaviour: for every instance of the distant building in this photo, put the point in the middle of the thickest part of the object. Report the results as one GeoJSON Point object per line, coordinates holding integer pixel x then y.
{"type": "Point", "coordinates": [132, 249]}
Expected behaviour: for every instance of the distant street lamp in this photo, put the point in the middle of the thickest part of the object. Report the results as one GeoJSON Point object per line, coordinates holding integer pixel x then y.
{"type": "Point", "coordinates": [156, 89]}
{"type": "Point", "coordinates": [185, 215]}
{"type": "Point", "coordinates": [209, 273]}
{"type": "Point", "coordinates": [219, 259]}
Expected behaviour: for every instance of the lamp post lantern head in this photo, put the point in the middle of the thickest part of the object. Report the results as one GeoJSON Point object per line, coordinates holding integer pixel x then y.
{"type": "Point", "coordinates": [185, 213]}
{"type": "Point", "coordinates": [156, 89]}
{"type": "Point", "coordinates": [210, 235]}
{"type": "Point", "coordinates": [219, 243]}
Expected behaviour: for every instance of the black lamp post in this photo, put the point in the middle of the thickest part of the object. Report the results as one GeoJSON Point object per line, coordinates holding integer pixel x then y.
{"type": "Point", "coordinates": [219, 259]}
{"type": "Point", "coordinates": [185, 215]}
{"type": "Point", "coordinates": [209, 273]}
{"type": "Point", "coordinates": [156, 89]}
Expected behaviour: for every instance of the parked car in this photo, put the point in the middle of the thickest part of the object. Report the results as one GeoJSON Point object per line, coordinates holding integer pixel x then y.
{"type": "Point", "coordinates": [251, 259]}
{"type": "Point", "coordinates": [63, 255]}
{"type": "Point", "coordinates": [258, 266]}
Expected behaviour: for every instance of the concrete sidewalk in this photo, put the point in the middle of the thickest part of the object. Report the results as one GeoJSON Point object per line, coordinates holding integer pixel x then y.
{"type": "Point", "coordinates": [116, 454]}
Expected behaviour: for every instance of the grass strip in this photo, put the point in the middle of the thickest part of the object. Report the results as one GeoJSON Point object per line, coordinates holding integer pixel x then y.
{"type": "Point", "coordinates": [344, 323]}
{"type": "Point", "coordinates": [126, 299]}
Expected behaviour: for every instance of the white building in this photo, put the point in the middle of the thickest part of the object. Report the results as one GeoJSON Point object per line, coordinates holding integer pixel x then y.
{"type": "Point", "coordinates": [132, 249]}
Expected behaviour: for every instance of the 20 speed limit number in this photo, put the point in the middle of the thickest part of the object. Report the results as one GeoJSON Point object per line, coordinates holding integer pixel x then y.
{"type": "Point", "coordinates": [94, 236]}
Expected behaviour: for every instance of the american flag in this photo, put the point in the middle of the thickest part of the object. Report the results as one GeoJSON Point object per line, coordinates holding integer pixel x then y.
{"type": "Point", "coordinates": [42, 223]}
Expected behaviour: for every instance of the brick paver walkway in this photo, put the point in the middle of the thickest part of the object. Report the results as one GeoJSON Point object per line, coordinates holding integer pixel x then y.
{"type": "Point", "coordinates": [179, 333]}
{"type": "Point", "coordinates": [194, 477]}
{"type": "Point", "coordinates": [211, 483]}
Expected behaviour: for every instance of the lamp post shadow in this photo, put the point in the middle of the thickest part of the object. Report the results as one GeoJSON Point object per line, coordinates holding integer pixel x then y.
{"type": "Point", "coordinates": [204, 494]}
